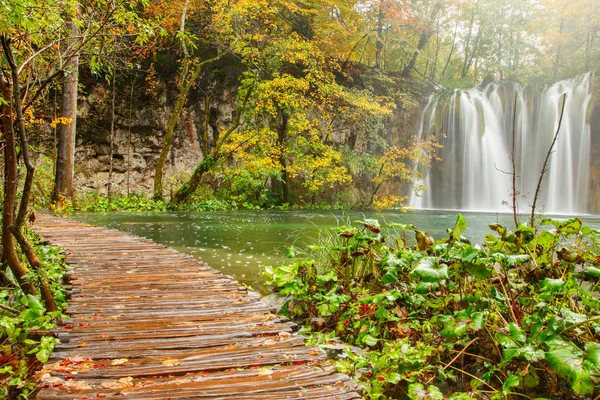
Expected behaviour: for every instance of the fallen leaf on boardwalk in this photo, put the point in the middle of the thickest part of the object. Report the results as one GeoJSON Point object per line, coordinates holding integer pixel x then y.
{"type": "Point", "coordinates": [49, 379]}
{"type": "Point", "coordinates": [171, 361]}
{"type": "Point", "coordinates": [127, 379]}
{"type": "Point", "coordinates": [265, 371]}
{"type": "Point", "coordinates": [119, 361]}
{"type": "Point", "coordinates": [120, 384]}
{"type": "Point", "coordinates": [82, 345]}
{"type": "Point", "coordinates": [314, 352]}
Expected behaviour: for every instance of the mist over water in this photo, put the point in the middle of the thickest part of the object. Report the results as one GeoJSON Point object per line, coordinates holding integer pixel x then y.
{"type": "Point", "coordinates": [475, 127]}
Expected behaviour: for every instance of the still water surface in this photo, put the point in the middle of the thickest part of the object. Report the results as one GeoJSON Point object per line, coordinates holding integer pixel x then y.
{"type": "Point", "coordinates": [239, 242]}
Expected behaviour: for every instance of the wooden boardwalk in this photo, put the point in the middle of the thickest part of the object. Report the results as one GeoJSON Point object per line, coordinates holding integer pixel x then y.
{"type": "Point", "coordinates": [148, 322]}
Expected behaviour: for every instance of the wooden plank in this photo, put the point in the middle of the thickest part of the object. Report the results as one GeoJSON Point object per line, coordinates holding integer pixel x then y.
{"type": "Point", "coordinates": [150, 323]}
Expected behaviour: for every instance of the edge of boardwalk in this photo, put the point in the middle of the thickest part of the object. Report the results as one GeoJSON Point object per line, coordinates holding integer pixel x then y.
{"type": "Point", "coordinates": [148, 322]}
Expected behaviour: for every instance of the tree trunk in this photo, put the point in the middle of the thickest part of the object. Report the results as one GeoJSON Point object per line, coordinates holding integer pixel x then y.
{"type": "Point", "coordinates": [112, 136]}
{"type": "Point", "coordinates": [17, 228]}
{"type": "Point", "coordinates": [464, 68]}
{"type": "Point", "coordinates": [557, 59]}
{"type": "Point", "coordinates": [188, 82]}
{"type": "Point", "coordinates": [169, 133]}
{"type": "Point", "coordinates": [209, 161]}
{"type": "Point", "coordinates": [65, 158]}
{"type": "Point", "coordinates": [282, 135]}
{"type": "Point", "coordinates": [379, 39]}
{"type": "Point", "coordinates": [206, 126]}
{"type": "Point", "coordinates": [10, 192]}
{"type": "Point", "coordinates": [423, 39]}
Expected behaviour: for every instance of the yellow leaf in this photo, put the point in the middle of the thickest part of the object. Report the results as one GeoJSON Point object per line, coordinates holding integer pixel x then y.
{"type": "Point", "coordinates": [265, 371]}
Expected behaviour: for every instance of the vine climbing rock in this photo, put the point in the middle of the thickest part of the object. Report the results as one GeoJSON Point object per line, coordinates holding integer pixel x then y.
{"type": "Point", "coordinates": [148, 322]}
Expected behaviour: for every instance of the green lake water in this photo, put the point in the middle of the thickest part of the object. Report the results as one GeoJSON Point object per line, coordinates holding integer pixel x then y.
{"type": "Point", "coordinates": [239, 242]}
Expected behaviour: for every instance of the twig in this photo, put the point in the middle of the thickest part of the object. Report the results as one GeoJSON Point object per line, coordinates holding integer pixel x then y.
{"type": "Point", "coordinates": [545, 165]}
{"type": "Point", "coordinates": [10, 309]}
{"type": "Point", "coordinates": [514, 170]}
{"type": "Point", "coordinates": [461, 352]}
{"type": "Point", "coordinates": [474, 377]}
{"type": "Point", "coordinates": [568, 328]}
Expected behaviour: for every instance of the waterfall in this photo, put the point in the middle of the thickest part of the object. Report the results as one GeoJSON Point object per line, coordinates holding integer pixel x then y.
{"type": "Point", "coordinates": [475, 127]}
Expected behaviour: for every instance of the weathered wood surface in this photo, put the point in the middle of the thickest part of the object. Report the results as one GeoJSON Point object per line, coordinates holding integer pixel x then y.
{"type": "Point", "coordinates": [148, 322]}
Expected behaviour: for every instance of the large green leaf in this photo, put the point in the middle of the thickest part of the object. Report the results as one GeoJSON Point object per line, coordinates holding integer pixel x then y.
{"type": "Point", "coordinates": [592, 356]}
{"type": "Point", "coordinates": [430, 270]}
{"type": "Point", "coordinates": [567, 361]}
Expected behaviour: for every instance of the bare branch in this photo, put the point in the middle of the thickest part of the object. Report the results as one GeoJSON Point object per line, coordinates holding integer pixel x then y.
{"type": "Point", "coordinates": [545, 165]}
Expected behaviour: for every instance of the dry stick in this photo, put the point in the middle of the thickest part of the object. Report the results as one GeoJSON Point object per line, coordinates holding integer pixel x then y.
{"type": "Point", "coordinates": [545, 165]}
{"type": "Point", "coordinates": [10, 309]}
{"type": "Point", "coordinates": [514, 171]}
{"type": "Point", "coordinates": [460, 353]}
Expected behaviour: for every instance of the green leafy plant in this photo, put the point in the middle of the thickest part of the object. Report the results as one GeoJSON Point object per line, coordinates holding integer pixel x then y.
{"type": "Point", "coordinates": [25, 338]}
{"type": "Point", "coordinates": [517, 316]}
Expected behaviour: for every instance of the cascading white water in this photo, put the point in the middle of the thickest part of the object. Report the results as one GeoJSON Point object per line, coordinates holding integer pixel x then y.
{"type": "Point", "coordinates": [475, 128]}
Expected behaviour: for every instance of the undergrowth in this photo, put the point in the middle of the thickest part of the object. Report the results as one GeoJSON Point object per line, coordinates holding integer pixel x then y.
{"type": "Point", "coordinates": [516, 317]}
{"type": "Point", "coordinates": [25, 338]}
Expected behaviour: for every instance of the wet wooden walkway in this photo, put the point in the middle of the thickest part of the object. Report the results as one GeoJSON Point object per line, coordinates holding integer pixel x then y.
{"type": "Point", "coordinates": [148, 322]}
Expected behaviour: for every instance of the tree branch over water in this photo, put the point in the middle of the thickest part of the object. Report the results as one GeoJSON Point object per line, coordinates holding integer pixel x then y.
{"type": "Point", "coordinates": [545, 165]}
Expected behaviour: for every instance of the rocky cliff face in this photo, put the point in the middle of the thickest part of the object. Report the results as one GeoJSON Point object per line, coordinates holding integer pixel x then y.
{"type": "Point", "coordinates": [139, 127]}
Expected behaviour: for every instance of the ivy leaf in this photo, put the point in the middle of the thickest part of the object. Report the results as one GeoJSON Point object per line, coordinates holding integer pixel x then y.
{"type": "Point", "coordinates": [429, 270]}
{"type": "Point", "coordinates": [370, 340]}
{"type": "Point", "coordinates": [592, 356]}
{"type": "Point", "coordinates": [459, 227]}
{"type": "Point", "coordinates": [568, 362]}
{"type": "Point", "coordinates": [453, 328]}
{"type": "Point", "coordinates": [510, 382]}
{"type": "Point", "coordinates": [551, 284]}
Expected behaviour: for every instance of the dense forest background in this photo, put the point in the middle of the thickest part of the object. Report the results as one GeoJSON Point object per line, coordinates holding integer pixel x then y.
{"type": "Point", "coordinates": [266, 103]}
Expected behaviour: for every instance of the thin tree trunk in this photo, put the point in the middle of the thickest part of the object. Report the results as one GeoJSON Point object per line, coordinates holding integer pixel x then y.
{"type": "Point", "coordinates": [379, 39]}
{"type": "Point", "coordinates": [172, 123]}
{"type": "Point", "coordinates": [451, 52]}
{"type": "Point", "coordinates": [129, 137]}
{"type": "Point", "coordinates": [464, 69]}
{"type": "Point", "coordinates": [423, 39]}
{"type": "Point", "coordinates": [514, 167]}
{"type": "Point", "coordinates": [206, 126]}
{"type": "Point", "coordinates": [557, 59]}
{"type": "Point", "coordinates": [17, 228]}
{"type": "Point", "coordinates": [65, 159]}
{"type": "Point", "coordinates": [209, 161]}
{"type": "Point", "coordinates": [282, 135]}
{"type": "Point", "coordinates": [10, 192]}
{"type": "Point", "coordinates": [112, 137]}
{"type": "Point", "coordinates": [545, 164]}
